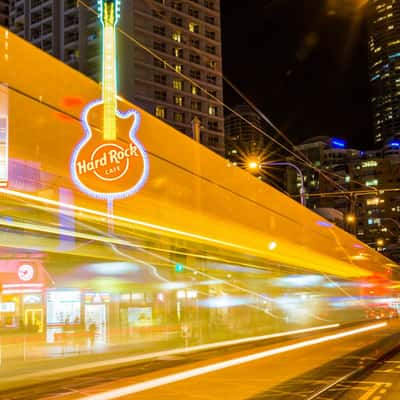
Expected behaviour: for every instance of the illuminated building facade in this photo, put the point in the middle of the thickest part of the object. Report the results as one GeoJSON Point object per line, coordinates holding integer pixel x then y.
{"type": "Point", "coordinates": [384, 67]}
{"type": "Point", "coordinates": [186, 34]}
{"type": "Point", "coordinates": [328, 154]}
{"type": "Point", "coordinates": [375, 216]}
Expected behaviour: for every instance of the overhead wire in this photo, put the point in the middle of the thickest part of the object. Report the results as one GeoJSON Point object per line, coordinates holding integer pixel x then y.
{"type": "Point", "coordinates": [307, 161]}
{"type": "Point", "coordinates": [273, 126]}
{"type": "Point", "coordinates": [216, 99]}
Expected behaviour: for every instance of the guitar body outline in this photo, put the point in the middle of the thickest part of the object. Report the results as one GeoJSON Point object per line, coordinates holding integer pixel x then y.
{"type": "Point", "coordinates": [88, 137]}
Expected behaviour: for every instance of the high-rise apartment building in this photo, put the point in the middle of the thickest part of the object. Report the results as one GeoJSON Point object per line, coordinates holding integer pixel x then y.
{"type": "Point", "coordinates": [384, 67]}
{"type": "Point", "coordinates": [184, 34]}
{"type": "Point", "coordinates": [187, 35]}
{"type": "Point", "coordinates": [373, 217]}
{"type": "Point", "coordinates": [331, 160]}
{"type": "Point", "coordinates": [61, 29]}
{"type": "Point", "coordinates": [4, 12]}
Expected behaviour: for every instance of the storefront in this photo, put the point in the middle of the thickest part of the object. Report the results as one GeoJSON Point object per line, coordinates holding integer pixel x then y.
{"type": "Point", "coordinates": [23, 284]}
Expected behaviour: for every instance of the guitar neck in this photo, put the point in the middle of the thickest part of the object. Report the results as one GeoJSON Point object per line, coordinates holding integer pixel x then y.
{"type": "Point", "coordinates": [109, 89]}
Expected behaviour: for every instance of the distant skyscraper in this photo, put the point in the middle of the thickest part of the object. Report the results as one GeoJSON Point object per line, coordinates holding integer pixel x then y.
{"type": "Point", "coordinates": [4, 12]}
{"type": "Point", "coordinates": [375, 215]}
{"type": "Point", "coordinates": [384, 67]}
{"type": "Point", "coordinates": [186, 34]}
{"type": "Point", "coordinates": [242, 139]}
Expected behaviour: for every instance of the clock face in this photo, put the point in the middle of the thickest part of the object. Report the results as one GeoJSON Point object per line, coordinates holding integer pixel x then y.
{"type": "Point", "coordinates": [25, 272]}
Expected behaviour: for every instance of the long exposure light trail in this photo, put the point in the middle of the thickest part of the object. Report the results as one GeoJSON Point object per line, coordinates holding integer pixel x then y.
{"type": "Point", "coordinates": [355, 270]}
{"type": "Point", "coordinates": [127, 220]}
{"type": "Point", "coordinates": [180, 376]}
{"type": "Point", "coordinates": [164, 353]}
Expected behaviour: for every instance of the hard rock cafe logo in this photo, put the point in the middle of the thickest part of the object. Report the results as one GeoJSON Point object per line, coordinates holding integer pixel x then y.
{"type": "Point", "coordinates": [109, 161]}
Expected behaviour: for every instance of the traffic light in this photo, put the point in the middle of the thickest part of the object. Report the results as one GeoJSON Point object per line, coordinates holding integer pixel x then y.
{"type": "Point", "coordinates": [179, 267]}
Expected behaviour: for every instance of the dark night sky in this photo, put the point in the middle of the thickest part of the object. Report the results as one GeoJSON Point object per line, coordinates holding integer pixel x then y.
{"type": "Point", "coordinates": [305, 69]}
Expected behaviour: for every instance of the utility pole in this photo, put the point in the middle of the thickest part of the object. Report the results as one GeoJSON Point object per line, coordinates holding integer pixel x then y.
{"type": "Point", "coordinates": [196, 129]}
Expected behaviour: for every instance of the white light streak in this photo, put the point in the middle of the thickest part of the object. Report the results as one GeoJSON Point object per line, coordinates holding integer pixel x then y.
{"type": "Point", "coordinates": [180, 376]}
{"type": "Point", "coordinates": [158, 354]}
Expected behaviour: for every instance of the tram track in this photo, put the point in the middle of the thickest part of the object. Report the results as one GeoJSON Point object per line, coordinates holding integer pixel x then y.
{"type": "Point", "coordinates": [356, 376]}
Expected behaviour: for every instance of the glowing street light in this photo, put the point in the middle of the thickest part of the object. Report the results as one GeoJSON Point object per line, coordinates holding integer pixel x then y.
{"type": "Point", "coordinates": [350, 218]}
{"type": "Point", "coordinates": [253, 165]}
{"type": "Point", "coordinates": [380, 242]}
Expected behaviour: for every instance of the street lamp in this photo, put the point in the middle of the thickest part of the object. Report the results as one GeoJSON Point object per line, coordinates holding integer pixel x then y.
{"type": "Point", "coordinates": [397, 223]}
{"type": "Point", "coordinates": [393, 220]}
{"type": "Point", "coordinates": [253, 165]}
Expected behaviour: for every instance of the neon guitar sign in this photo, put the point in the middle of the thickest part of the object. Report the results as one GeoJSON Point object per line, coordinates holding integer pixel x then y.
{"type": "Point", "coordinates": [109, 163]}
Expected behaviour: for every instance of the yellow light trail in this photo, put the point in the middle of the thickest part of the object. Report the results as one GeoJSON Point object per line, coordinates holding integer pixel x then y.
{"type": "Point", "coordinates": [180, 376]}
{"type": "Point", "coordinates": [164, 353]}
{"type": "Point", "coordinates": [357, 271]}
{"type": "Point", "coordinates": [128, 220]}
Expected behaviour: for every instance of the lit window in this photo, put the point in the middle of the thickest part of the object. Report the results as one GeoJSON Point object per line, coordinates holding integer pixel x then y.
{"type": "Point", "coordinates": [178, 67]}
{"type": "Point", "coordinates": [161, 112]}
{"type": "Point", "coordinates": [373, 202]}
{"type": "Point", "coordinates": [195, 90]}
{"type": "Point", "coordinates": [177, 84]}
{"type": "Point", "coordinates": [193, 27]}
{"type": "Point", "coordinates": [369, 163]}
{"type": "Point", "coordinates": [347, 179]}
{"type": "Point", "coordinates": [177, 52]}
{"type": "Point", "coordinates": [178, 100]}
{"type": "Point", "coordinates": [212, 64]}
{"type": "Point", "coordinates": [177, 37]}
{"type": "Point", "coordinates": [212, 110]}
{"type": "Point", "coordinates": [372, 182]}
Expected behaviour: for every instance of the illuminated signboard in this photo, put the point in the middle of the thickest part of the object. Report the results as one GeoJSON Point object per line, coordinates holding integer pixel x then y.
{"type": "Point", "coordinates": [111, 164]}
{"type": "Point", "coordinates": [25, 272]}
{"type": "Point", "coordinates": [338, 143]}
